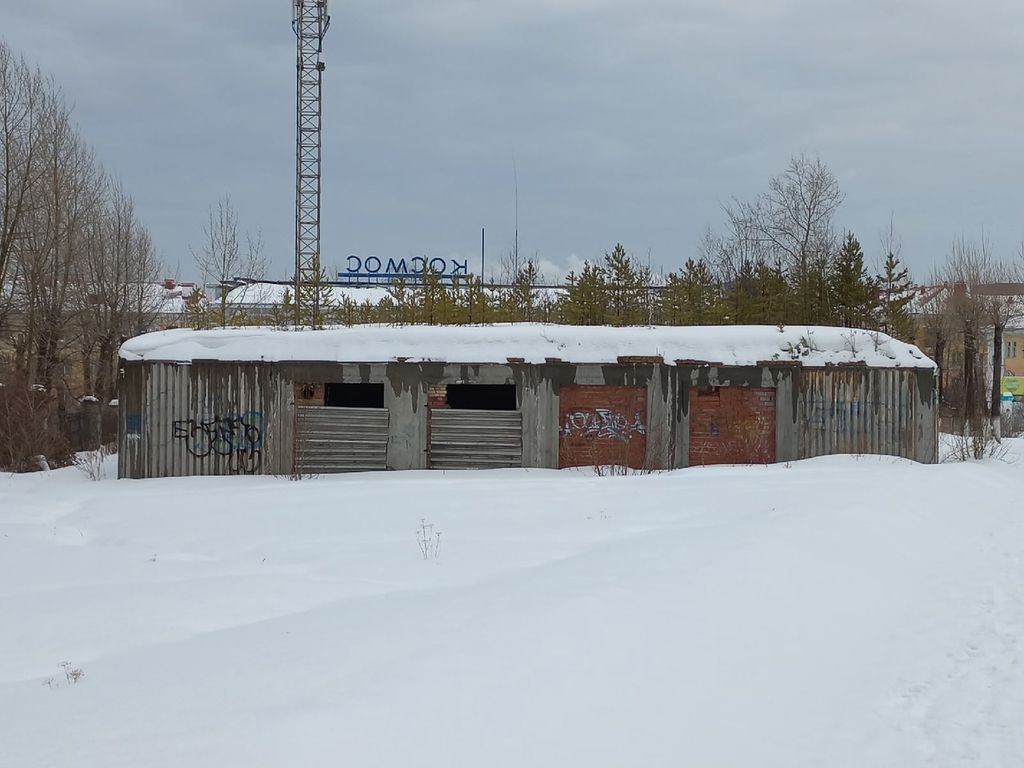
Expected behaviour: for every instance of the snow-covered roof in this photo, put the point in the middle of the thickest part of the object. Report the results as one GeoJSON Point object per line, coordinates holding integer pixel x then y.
{"type": "Point", "coordinates": [266, 294]}
{"type": "Point", "coordinates": [533, 343]}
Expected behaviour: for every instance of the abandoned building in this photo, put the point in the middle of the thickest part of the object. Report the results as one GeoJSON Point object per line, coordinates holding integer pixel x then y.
{"type": "Point", "coordinates": [269, 401]}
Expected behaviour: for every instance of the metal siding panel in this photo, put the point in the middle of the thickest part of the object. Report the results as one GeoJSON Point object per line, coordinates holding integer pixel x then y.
{"type": "Point", "coordinates": [470, 439]}
{"type": "Point", "coordinates": [909, 437]}
{"type": "Point", "coordinates": [131, 402]}
{"type": "Point", "coordinates": [858, 410]}
{"type": "Point", "coordinates": [877, 403]}
{"type": "Point", "coordinates": [340, 439]}
{"type": "Point", "coordinates": [827, 409]}
{"type": "Point", "coordinates": [205, 419]}
{"type": "Point", "coordinates": [886, 410]}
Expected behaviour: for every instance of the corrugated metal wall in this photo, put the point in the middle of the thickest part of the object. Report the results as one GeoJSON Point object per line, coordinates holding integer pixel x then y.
{"type": "Point", "coordinates": [867, 410]}
{"type": "Point", "coordinates": [340, 439]}
{"type": "Point", "coordinates": [204, 419]}
{"type": "Point", "coordinates": [467, 439]}
{"type": "Point", "coordinates": [210, 418]}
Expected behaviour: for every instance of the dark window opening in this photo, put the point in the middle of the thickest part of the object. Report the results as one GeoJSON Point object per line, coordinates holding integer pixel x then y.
{"type": "Point", "coordinates": [354, 395]}
{"type": "Point", "coordinates": [482, 397]}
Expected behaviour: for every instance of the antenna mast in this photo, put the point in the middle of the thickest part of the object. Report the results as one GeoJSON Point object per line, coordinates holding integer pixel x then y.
{"type": "Point", "coordinates": [310, 22]}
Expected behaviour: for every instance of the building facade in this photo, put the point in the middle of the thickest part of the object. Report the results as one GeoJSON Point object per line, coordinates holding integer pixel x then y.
{"type": "Point", "coordinates": [192, 404]}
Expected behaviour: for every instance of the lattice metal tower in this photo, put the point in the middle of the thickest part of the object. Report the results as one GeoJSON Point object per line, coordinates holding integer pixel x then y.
{"type": "Point", "coordinates": [310, 22]}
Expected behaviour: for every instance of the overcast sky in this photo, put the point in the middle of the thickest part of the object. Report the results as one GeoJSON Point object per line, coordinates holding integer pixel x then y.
{"type": "Point", "coordinates": [629, 122]}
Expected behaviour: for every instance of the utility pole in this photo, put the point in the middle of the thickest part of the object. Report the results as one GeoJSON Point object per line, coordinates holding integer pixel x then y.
{"type": "Point", "coordinates": [310, 22]}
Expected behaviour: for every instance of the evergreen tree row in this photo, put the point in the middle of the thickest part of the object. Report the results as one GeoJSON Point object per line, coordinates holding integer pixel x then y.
{"type": "Point", "coordinates": [835, 289]}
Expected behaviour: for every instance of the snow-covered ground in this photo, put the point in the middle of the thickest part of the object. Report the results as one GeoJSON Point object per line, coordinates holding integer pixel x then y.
{"type": "Point", "coordinates": [841, 611]}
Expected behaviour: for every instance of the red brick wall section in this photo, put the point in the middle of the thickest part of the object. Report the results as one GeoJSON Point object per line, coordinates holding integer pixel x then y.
{"type": "Point", "coordinates": [732, 425]}
{"type": "Point", "coordinates": [437, 396]}
{"type": "Point", "coordinates": [308, 394]}
{"type": "Point", "coordinates": [602, 425]}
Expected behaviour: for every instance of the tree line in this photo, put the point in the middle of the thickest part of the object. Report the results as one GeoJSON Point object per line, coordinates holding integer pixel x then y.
{"type": "Point", "coordinates": [975, 296]}
{"type": "Point", "coordinates": [781, 260]}
{"type": "Point", "coordinates": [76, 264]}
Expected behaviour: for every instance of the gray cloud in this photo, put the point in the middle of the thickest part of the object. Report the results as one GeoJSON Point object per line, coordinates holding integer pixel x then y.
{"type": "Point", "coordinates": [629, 122]}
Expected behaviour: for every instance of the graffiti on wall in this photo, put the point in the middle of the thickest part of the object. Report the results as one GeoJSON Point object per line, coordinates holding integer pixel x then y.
{"type": "Point", "coordinates": [236, 437]}
{"type": "Point", "coordinates": [602, 423]}
{"type": "Point", "coordinates": [133, 426]}
{"type": "Point", "coordinates": [849, 415]}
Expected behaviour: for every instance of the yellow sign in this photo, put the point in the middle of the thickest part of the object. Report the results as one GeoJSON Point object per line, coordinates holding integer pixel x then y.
{"type": "Point", "coordinates": [1014, 384]}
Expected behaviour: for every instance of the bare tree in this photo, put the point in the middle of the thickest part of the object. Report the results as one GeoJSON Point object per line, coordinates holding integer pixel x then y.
{"type": "Point", "coordinates": [221, 259]}
{"type": "Point", "coordinates": [76, 266]}
{"type": "Point", "coordinates": [1003, 304]}
{"type": "Point", "coordinates": [797, 218]}
{"type": "Point", "coordinates": [117, 272]}
{"type": "Point", "coordinates": [68, 195]}
{"type": "Point", "coordinates": [791, 227]}
{"type": "Point", "coordinates": [25, 104]}
{"type": "Point", "coordinates": [968, 264]}
{"type": "Point", "coordinates": [935, 318]}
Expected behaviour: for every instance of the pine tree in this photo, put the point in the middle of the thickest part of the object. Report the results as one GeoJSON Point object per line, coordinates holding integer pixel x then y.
{"type": "Point", "coordinates": [347, 311]}
{"type": "Point", "coordinates": [518, 304]}
{"type": "Point", "coordinates": [702, 293]}
{"type": "Point", "coordinates": [775, 301]}
{"type": "Point", "coordinates": [401, 301]}
{"type": "Point", "coordinates": [674, 309]}
{"type": "Point", "coordinates": [283, 314]}
{"type": "Point", "coordinates": [585, 301]}
{"type": "Point", "coordinates": [741, 298]}
{"type": "Point", "coordinates": [628, 288]}
{"type": "Point", "coordinates": [434, 304]}
{"type": "Point", "coordinates": [808, 294]}
{"type": "Point", "coordinates": [198, 314]}
{"type": "Point", "coordinates": [315, 299]}
{"type": "Point", "coordinates": [476, 301]}
{"type": "Point", "coordinates": [691, 297]}
{"type": "Point", "coordinates": [895, 294]}
{"type": "Point", "coordinates": [854, 293]}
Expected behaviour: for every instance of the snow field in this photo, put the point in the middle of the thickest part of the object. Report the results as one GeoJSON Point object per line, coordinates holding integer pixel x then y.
{"type": "Point", "coordinates": [843, 611]}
